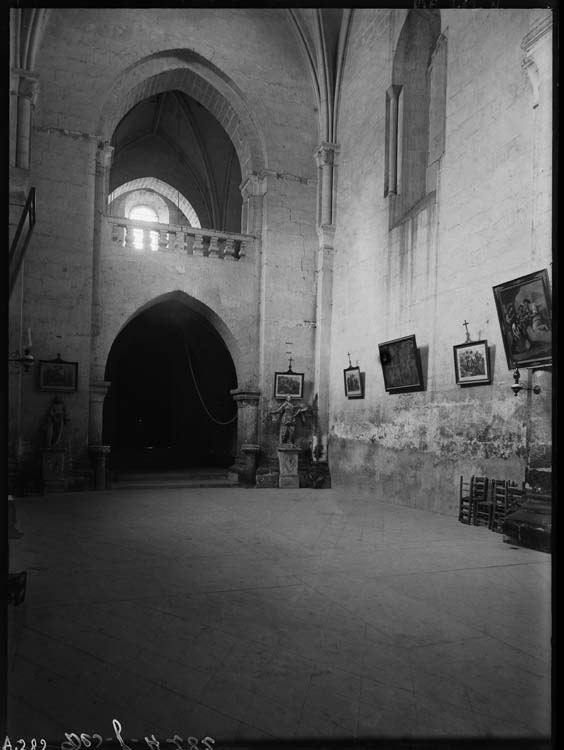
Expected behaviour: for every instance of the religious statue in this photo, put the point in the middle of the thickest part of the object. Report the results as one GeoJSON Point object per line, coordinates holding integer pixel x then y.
{"type": "Point", "coordinates": [288, 420]}
{"type": "Point", "coordinates": [56, 421]}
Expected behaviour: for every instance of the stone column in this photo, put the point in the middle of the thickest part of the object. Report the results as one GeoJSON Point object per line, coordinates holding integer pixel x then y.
{"type": "Point", "coordinates": [99, 453]}
{"type": "Point", "coordinates": [98, 391]}
{"type": "Point", "coordinates": [104, 157]}
{"type": "Point", "coordinates": [247, 431]}
{"type": "Point", "coordinates": [253, 190]}
{"type": "Point", "coordinates": [326, 164]}
{"type": "Point", "coordinates": [538, 65]}
{"type": "Point", "coordinates": [24, 88]}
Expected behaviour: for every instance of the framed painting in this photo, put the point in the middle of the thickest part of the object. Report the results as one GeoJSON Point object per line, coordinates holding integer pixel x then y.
{"type": "Point", "coordinates": [353, 382]}
{"type": "Point", "coordinates": [57, 375]}
{"type": "Point", "coordinates": [525, 317]}
{"type": "Point", "coordinates": [472, 363]}
{"type": "Point", "coordinates": [401, 365]}
{"type": "Point", "coordinates": [288, 384]}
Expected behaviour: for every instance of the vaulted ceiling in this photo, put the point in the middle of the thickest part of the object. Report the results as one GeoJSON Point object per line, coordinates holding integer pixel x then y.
{"type": "Point", "coordinates": [172, 137]}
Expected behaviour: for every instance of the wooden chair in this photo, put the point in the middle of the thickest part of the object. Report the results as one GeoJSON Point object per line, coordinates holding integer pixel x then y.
{"type": "Point", "coordinates": [500, 503]}
{"type": "Point", "coordinates": [465, 514]}
{"type": "Point", "coordinates": [481, 501]}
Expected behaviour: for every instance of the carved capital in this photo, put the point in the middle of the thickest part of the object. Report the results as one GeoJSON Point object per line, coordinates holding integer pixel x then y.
{"type": "Point", "coordinates": [325, 154]}
{"type": "Point", "coordinates": [253, 186]}
{"type": "Point", "coordinates": [28, 87]}
{"type": "Point", "coordinates": [99, 388]}
{"type": "Point", "coordinates": [245, 398]}
{"type": "Point", "coordinates": [104, 154]}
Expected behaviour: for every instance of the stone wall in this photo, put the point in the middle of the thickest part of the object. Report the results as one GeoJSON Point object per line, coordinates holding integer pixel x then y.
{"type": "Point", "coordinates": [435, 270]}
{"type": "Point", "coordinates": [83, 52]}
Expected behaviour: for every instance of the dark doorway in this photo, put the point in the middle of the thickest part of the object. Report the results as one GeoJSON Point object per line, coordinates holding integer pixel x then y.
{"type": "Point", "coordinates": [169, 404]}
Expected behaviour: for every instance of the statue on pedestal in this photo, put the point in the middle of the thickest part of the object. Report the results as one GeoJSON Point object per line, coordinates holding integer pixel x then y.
{"type": "Point", "coordinates": [56, 420]}
{"type": "Point", "coordinates": [289, 413]}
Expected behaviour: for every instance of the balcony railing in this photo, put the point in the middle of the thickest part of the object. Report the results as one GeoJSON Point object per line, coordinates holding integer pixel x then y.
{"type": "Point", "coordinates": [208, 243]}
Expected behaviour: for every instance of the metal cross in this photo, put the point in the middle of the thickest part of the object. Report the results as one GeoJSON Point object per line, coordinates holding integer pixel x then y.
{"type": "Point", "coordinates": [467, 334]}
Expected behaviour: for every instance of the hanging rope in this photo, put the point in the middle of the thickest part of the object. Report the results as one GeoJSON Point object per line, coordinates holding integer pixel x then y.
{"type": "Point", "coordinates": [213, 419]}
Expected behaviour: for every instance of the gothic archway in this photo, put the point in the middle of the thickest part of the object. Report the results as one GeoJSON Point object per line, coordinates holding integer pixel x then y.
{"type": "Point", "coordinates": [169, 406]}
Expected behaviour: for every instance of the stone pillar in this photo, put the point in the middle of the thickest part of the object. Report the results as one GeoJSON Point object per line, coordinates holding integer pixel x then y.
{"type": "Point", "coordinates": [288, 463]}
{"type": "Point", "coordinates": [100, 453]}
{"type": "Point", "coordinates": [104, 157]}
{"type": "Point", "coordinates": [247, 431]}
{"type": "Point", "coordinates": [250, 451]}
{"type": "Point", "coordinates": [24, 88]}
{"type": "Point", "coordinates": [326, 164]}
{"type": "Point", "coordinates": [98, 391]}
{"type": "Point", "coordinates": [325, 156]}
{"type": "Point", "coordinates": [537, 63]}
{"type": "Point", "coordinates": [253, 189]}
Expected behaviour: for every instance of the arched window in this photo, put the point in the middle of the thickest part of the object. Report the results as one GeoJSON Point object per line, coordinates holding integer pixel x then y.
{"type": "Point", "coordinates": [142, 212]}
{"type": "Point", "coordinates": [415, 111]}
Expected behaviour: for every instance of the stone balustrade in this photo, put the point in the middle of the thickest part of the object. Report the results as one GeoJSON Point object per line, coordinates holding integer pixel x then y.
{"type": "Point", "coordinates": [152, 237]}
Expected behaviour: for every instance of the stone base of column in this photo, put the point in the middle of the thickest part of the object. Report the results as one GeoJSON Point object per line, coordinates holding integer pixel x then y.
{"type": "Point", "coordinates": [100, 453]}
{"type": "Point", "coordinates": [288, 462]}
{"type": "Point", "coordinates": [53, 462]}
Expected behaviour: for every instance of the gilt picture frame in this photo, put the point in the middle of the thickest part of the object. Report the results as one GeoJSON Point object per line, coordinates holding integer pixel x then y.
{"type": "Point", "coordinates": [525, 318]}
{"type": "Point", "coordinates": [288, 384]}
{"type": "Point", "coordinates": [57, 375]}
{"type": "Point", "coordinates": [401, 365]}
{"type": "Point", "coordinates": [353, 382]}
{"type": "Point", "coordinates": [472, 363]}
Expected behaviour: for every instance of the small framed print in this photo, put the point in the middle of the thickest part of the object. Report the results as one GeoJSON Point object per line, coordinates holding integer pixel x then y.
{"type": "Point", "coordinates": [525, 318]}
{"type": "Point", "coordinates": [401, 365]}
{"type": "Point", "coordinates": [288, 384]}
{"type": "Point", "coordinates": [472, 363]}
{"type": "Point", "coordinates": [57, 375]}
{"type": "Point", "coordinates": [353, 382]}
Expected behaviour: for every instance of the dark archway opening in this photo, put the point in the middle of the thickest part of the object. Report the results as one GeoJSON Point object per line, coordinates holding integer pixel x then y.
{"type": "Point", "coordinates": [169, 405]}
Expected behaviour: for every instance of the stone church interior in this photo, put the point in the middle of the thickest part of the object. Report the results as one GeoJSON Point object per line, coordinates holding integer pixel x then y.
{"type": "Point", "coordinates": [279, 415]}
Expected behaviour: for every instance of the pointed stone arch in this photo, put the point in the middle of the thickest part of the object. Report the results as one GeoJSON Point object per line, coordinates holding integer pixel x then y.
{"type": "Point", "coordinates": [192, 74]}
{"type": "Point", "coordinates": [198, 307]}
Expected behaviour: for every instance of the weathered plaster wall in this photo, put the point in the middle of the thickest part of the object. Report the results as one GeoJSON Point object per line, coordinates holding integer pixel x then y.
{"type": "Point", "coordinates": [435, 270]}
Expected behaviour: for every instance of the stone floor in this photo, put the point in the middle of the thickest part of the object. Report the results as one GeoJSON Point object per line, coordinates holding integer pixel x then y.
{"type": "Point", "coordinates": [248, 614]}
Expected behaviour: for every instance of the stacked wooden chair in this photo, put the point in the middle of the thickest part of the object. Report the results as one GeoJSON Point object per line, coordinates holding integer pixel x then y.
{"type": "Point", "coordinates": [486, 502]}
{"type": "Point", "coordinates": [482, 515]}
{"type": "Point", "coordinates": [474, 505]}
{"type": "Point", "coordinates": [465, 503]}
{"type": "Point", "coordinates": [505, 495]}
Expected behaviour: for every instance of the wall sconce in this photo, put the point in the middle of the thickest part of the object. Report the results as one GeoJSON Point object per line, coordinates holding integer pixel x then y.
{"type": "Point", "coordinates": [516, 387]}
{"type": "Point", "coordinates": [26, 360]}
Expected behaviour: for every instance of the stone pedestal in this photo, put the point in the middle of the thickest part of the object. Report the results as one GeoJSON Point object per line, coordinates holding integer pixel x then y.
{"type": "Point", "coordinates": [247, 429]}
{"type": "Point", "coordinates": [288, 462]}
{"type": "Point", "coordinates": [250, 451]}
{"type": "Point", "coordinates": [100, 454]}
{"type": "Point", "coordinates": [53, 469]}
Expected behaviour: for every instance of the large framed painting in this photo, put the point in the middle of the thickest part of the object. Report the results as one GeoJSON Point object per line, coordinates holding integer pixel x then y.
{"type": "Point", "coordinates": [288, 384]}
{"type": "Point", "coordinates": [525, 317]}
{"type": "Point", "coordinates": [353, 382]}
{"type": "Point", "coordinates": [57, 375]}
{"type": "Point", "coordinates": [472, 363]}
{"type": "Point", "coordinates": [401, 365]}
